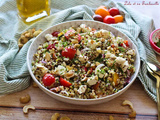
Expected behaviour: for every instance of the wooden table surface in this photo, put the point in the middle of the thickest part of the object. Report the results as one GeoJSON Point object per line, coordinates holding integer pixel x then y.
{"type": "Point", "coordinates": [11, 108]}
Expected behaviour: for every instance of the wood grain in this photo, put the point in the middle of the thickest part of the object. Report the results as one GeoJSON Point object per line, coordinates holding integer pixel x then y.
{"type": "Point", "coordinates": [143, 104]}
{"type": "Point", "coordinates": [17, 114]}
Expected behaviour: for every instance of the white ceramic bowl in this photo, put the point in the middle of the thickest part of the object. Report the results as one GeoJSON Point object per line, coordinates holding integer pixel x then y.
{"type": "Point", "coordinates": [93, 24]}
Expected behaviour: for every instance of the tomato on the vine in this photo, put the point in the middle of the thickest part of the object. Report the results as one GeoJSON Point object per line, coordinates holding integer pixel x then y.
{"type": "Point", "coordinates": [48, 79]}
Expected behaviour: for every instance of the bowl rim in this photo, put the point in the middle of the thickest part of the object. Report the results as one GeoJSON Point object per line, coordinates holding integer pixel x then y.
{"type": "Point", "coordinates": [155, 47]}
{"type": "Point", "coordinates": [78, 99]}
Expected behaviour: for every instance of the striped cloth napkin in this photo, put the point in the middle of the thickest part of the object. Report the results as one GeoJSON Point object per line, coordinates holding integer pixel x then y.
{"type": "Point", "coordinates": [14, 75]}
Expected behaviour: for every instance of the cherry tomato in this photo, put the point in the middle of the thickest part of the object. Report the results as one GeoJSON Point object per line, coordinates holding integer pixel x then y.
{"type": "Point", "coordinates": [126, 43]}
{"type": "Point", "coordinates": [48, 79]}
{"type": "Point", "coordinates": [98, 18]}
{"type": "Point", "coordinates": [118, 18]}
{"type": "Point", "coordinates": [114, 11]}
{"type": "Point", "coordinates": [69, 53]}
{"type": "Point", "coordinates": [50, 46]}
{"type": "Point", "coordinates": [55, 34]}
{"type": "Point", "coordinates": [69, 33]}
{"type": "Point", "coordinates": [102, 11]}
{"type": "Point", "coordinates": [64, 82]}
{"type": "Point", "coordinates": [109, 20]}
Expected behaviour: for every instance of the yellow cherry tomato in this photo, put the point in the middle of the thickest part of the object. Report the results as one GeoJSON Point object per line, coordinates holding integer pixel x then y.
{"type": "Point", "coordinates": [118, 18]}
{"type": "Point", "coordinates": [102, 11]}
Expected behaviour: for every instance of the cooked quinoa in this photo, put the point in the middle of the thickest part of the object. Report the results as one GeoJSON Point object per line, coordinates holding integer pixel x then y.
{"type": "Point", "coordinates": [94, 63]}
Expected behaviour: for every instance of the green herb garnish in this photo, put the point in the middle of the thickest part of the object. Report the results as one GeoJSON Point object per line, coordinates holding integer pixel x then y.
{"type": "Point", "coordinates": [122, 49]}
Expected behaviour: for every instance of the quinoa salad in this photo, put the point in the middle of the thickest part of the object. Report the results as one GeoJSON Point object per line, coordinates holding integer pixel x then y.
{"type": "Point", "coordinates": [82, 62]}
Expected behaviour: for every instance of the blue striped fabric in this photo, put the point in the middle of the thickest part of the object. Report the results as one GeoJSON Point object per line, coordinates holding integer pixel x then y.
{"type": "Point", "coordinates": [14, 75]}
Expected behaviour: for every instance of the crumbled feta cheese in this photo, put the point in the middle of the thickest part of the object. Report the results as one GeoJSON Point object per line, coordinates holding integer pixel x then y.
{"type": "Point", "coordinates": [119, 40]}
{"type": "Point", "coordinates": [131, 52]}
{"type": "Point", "coordinates": [98, 71]}
{"type": "Point", "coordinates": [92, 80]}
{"type": "Point", "coordinates": [120, 54]}
{"type": "Point", "coordinates": [61, 70]}
{"type": "Point", "coordinates": [83, 26]}
{"type": "Point", "coordinates": [92, 44]}
{"type": "Point", "coordinates": [105, 33]}
{"type": "Point", "coordinates": [82, 89]}
{"type": "Point", "coordinates": [125, 66]}
{"type": "Point", "coordinates": [83, 59]}
{"type": "Point", "coordinates": [49, 37]}
{"type": "Point", "coordinates": [113, 56]}
{"type": "Point", "coordinates": [120, 60]}
{"type": "Point", "coordinates": [91, 33]}
{"type": "Point", "coordinates": [109, 55]}
{"type": "Point", "coordinates": [41, 70]}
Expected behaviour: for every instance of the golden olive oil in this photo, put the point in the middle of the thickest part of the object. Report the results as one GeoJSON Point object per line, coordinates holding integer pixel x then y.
{"type": "Point", "coordinates": [30, 10]}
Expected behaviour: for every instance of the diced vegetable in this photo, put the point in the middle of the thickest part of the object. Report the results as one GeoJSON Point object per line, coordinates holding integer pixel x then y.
{"type": "Point", "coordinates": [115, 77]}
{"type": "Point", "coordinates": [69, 53]}
{"type": "Point", "coordinates": [64, 82]}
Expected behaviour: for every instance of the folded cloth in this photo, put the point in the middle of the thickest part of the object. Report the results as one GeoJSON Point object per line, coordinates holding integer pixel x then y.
{"type": "Point", "coordinates": [14, 75]}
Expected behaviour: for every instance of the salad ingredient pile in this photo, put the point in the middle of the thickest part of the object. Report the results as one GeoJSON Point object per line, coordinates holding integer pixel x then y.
{"type": "Point", "coordinates": [82, 62]}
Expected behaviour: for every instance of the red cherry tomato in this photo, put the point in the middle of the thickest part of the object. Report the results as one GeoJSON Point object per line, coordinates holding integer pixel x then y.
{"type": "Point", "coordinates": [69, 53]}
{"type": "Point", "coordinates": [114, 11]}
{"type": "Point", "coordinates": [69, 33]}
{"type": "Point", "coordinates": [109, 20]}
{"type": "Point", "coordinates": [126, 43]}
{"type": "Point", "coordinates": [55, 34]}
{"type": "Point", "coordinates": [64, 82]}
{"type": "Point", "coordinates": [98, 18]}
{"type": "Point", "coordinates": [50, 46]}
{"type": "Point", "coordinates": [48, 79]}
